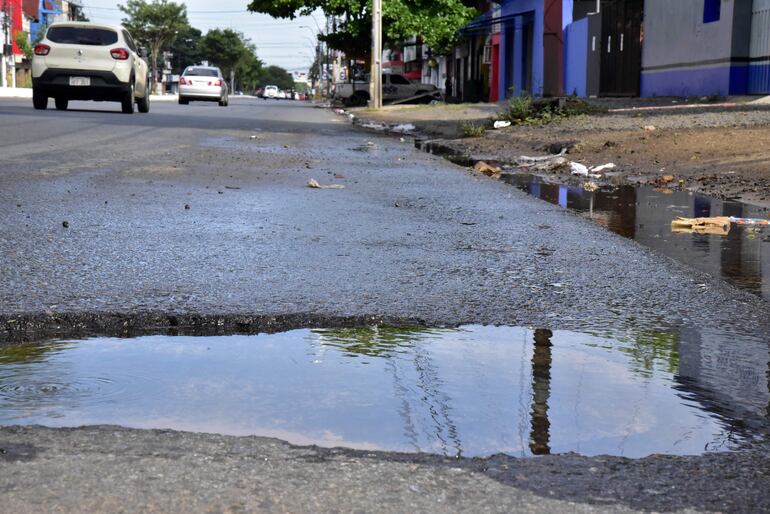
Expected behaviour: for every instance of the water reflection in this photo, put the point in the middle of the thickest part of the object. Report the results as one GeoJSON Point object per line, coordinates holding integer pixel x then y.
{"type": "Point", "coordinates": [541, 392]}
{"type": "Point", "coordinates": [470, 391]}
{"type": "Point", "coordinates": [645, 214]}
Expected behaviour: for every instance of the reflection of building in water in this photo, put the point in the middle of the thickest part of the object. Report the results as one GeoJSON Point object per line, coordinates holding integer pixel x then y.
{"type": "Point", "coordinates": [736, 257]}
{"type": "Point", "coordinates": [541, 392]}
{"type": "Point", "coordinates": [645, 214]}
{"type": "Point", "coordinates": [730, 374]}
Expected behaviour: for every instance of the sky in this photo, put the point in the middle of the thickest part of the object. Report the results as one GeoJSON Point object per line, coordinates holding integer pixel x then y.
{"type": "Point", "coordinates": [286, 43]}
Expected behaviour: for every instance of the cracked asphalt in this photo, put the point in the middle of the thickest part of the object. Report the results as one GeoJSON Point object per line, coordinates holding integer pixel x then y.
{"type": "Point", "coordinates": [197, 219]}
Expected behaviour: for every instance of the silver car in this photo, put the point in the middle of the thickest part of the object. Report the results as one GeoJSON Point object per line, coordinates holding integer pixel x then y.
{"type": "Point", "coordinates": [203, 83]}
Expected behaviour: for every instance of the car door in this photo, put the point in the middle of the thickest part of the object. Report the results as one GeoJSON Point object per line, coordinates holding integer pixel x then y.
{"type": "Point", "coordinates": [396, 88]}
{"type": "Point", "coordinates": [139, 64]}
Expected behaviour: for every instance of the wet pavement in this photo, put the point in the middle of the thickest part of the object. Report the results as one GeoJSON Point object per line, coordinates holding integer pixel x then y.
{"type": "Point", "coordinates": [644, 214]}
{"type": "Point", "coordinates": [472, 391]}
{"type": "Point", "coordinates": [198, 220]}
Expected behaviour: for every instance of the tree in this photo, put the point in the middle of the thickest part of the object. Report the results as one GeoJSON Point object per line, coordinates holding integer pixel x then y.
{"type": "Point", "coordinates": [436, 21]}
{"type": "Point", "coordinates": [154, 25]}
{"type": "Point", "coordinates": [224, 48]}
{"type": "Point", "coordinates": [277, 76]}
{"type": "Point", "coordinates": [186, 49]}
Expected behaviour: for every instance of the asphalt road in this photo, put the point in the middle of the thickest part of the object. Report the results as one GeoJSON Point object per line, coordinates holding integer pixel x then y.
{"type": "Point", "coordinates": [198, 219]}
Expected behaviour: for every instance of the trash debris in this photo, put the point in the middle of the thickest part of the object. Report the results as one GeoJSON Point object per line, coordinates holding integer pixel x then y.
{"type": "Point", "coordinates": [591, 186]}
{"type": "Point", "coordinates": [608, 166]}
{"type": "Point", "coordinates": [65, 224]}
{"type": "Point", "coordinates": [313, 184]}
{"type": "Point", "coordinates": [718, 225]}
{"type": "Point", "coordinates": [502, 124]}
{"type": "Point", "coordinates": [523, 159]}
{"type": "Point", "coordinates": [748, 221]}
{"type": "Point", "coordinates": [650, 128]}
{"type": "Point", "coordinates": [402, 140]}
{"type": "Point", "coordinates": [187, 206]}
{"type": "Point", "coordinates": [374, 126]}
{"type": "Point", "coordinates": [487, 169]}
{"type": "Point", "coordinates": [552, 164]}
{"type": "Point", "coordinates": [667, 178]}
{"type": "Point", "coordinates": [578, 169]}
{"type": "Point", "coordinates": [369, 143]}
{"type": "Point", "coordinates": [252, 137]}
{"type": "Point", "coordinates": [403, 128]}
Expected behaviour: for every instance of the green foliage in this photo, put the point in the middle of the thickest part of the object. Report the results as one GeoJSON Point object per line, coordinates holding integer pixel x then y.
{"type": "Point", "coordinates": [186, 49]}
{"type": "Point", "coordinates": [377, 341]}
{"type": "Point", "coordinates": [654, 350]}
{"type": "Point", "coordinates": [154, 25]}
{"type": "Point", "coordinates": [436, 21]}
{"type": "Point", "coordinates": [473, 130]}
{"type": "Point", "coordinates": [277, 76]}
{"type": "Point", "coordinates": [224, 48]}
{"type": "Point", "coordinates": [523, 109]}
{"type": "Point", "coordinates": [22, 41]}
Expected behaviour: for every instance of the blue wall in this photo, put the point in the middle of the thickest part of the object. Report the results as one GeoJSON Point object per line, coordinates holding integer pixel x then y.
{"type": "Point", "coordinates": [576, 58]}
{"type": "Point", "coordinates": [513, 31]}
{"type": "Point", "coordinates": [718, 80]}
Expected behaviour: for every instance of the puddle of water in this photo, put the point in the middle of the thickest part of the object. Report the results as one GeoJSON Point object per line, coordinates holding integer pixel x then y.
{"type": "Point", "coordinates": [470, 391]}
{"type": "Point", "coordinates": [645, 214]}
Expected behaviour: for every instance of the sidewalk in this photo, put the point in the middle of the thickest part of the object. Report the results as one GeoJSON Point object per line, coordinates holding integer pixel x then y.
{"type": "Point", "coordinates": [715, 146]}
{"type": "Point", "coordinates": [15, 92]}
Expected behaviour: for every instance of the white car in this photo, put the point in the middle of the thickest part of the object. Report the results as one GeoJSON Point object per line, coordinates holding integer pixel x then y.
{"type": "Point", "coordinates": [89, 61]}
{"type": "Point", "coordinates": [203, 83]}
{"type": "Point", "coordinates": [270, 92]}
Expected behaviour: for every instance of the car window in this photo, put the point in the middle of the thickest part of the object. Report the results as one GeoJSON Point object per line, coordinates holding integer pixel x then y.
{"type": "Point", "coordinates": [201, 72]}
{"type": "Point", "coordinates": [129, 40]}
{"type": "Point", "coordinates": [399, 80]}
{"type": "Point", "coordinates": [82, 36]}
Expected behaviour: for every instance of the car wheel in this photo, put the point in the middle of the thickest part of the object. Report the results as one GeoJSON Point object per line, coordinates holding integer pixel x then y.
{"type": "Point", "coordinates": [144, 103]}
{"type": "Point", "coordinates": [222, 102]}
{"type": "Point", "coordinates": [127, 104]}
{"type": "Point", "coordinates": [39, 100]}
{"type": "Point", "coordinates": [183, 101]}
{"type": "Point", "coordinates": [61, 103]}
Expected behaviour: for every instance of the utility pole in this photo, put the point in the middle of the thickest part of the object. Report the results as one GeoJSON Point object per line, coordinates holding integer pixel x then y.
{"type": "Point", "coordinates": [3, 47]}
{"type": "Point", "coordinates": [375, 83]}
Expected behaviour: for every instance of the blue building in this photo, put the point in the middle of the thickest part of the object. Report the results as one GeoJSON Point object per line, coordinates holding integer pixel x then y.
{"type": "Point", "coordinates": [531, 49]}
{"type": "Point", "coordinates": [706, 47]}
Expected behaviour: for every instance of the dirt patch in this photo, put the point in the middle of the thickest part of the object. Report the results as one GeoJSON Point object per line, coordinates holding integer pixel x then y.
{"type": "Point", "coordinates": [722, 161]}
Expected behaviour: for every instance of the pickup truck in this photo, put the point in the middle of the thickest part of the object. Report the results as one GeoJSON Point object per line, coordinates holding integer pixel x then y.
{"type": "Point", "coordinates": [394, 87]}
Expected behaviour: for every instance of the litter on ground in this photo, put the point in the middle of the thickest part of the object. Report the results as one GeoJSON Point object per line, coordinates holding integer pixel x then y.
{"type": "Point", "coordinates": [487, 169]}
{"type": "Point", "coordinates": [502, 124]}
{"type": "Point", "coordinates": [578, 169]}
{"type": "Point", "coordinates": [313, 184]}
{"type": "Point", "coordinates": [718, 225]}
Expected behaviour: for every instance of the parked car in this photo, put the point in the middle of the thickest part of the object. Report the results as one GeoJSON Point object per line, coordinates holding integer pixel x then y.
{"type": "Point", "coordinates": [89, 61]}
{"type": "Point", "coordinates": [394, 87]}
{"type": "Point", "coordinates": [204, 83]}
{"type": "Point", "coordinates": [270, 92]}
{"type": "Point", "coordinates": [281, 95]}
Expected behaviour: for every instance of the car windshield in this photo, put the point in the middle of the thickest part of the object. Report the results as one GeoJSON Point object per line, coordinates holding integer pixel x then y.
{"type": "Point", "coordinates": [82, 36]}
{"type": "Point", "coordinates": [201, 72]}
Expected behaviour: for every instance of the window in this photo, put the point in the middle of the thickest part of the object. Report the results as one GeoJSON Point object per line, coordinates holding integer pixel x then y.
{"type": "Point", "coordinates": [399, 80]}
{"type": "Point", "coordinates": [712, 10]}
{"type": "Point", "coordinates": [82, 36]}
{"type": "Point", "coordinates": [201, 72]}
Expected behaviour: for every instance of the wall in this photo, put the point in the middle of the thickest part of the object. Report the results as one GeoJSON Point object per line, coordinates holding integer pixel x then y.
{"type": "Point", "coordinates": [682, 56]}
{"type": "Point", "coordinates": [512, 31]}
{"type": "Point", "coordinates": [576, 58]}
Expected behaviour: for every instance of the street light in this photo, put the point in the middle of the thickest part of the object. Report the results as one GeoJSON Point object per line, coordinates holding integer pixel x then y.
{"type": "Point", "coordinates": [318, 54]}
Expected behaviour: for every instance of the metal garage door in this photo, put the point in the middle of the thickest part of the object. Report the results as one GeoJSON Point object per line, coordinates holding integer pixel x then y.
{"type": "Point", "coordinates": [759, 69]}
